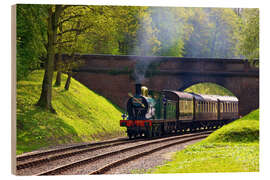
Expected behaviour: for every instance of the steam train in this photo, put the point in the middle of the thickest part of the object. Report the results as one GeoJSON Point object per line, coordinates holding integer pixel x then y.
{"type": "Point", "coordinates": [156, 113]}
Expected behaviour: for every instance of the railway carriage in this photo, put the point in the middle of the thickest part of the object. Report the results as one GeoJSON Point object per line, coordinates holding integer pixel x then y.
{"type": "Point", "coordinates": [157, 113]}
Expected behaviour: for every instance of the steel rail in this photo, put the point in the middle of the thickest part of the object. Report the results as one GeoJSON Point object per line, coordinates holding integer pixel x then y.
{"type": "Point", "coordinates": [48, 152]}
{"type": "Point", "coordinates": [69, 154]}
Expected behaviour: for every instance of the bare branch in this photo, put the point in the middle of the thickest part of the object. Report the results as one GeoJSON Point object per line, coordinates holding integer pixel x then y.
{"type": "Point", "coordinates": [69, 18]}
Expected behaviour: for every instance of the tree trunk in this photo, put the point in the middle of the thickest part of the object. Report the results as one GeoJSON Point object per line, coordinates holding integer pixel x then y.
{"type": "Point", "coordinates": [58, 79]}
{"type": "Point", "coordinates": [45, 100]}
{"type": "Point", "coordinates": [73, 59]}
{"type": "Point", "coordinates": [68, 81]}
{"type": "Point", "coordinates": [59, 63]}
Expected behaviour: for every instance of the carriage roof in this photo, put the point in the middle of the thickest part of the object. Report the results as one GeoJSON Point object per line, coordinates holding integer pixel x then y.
{"type": "Point", "coordinates": [199, 97]}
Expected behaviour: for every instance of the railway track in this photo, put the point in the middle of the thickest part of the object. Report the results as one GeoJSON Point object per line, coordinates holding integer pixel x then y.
{"type": "Point", "coordinates": [102, 162]}
{"type": "Point", "coordinates": [59, 150]}
{"type": "Point", "coordinates": [119, 162]}
{"type": "Point", "coordinates": [35, 159]}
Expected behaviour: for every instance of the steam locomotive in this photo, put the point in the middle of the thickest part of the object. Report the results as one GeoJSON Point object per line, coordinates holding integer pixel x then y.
{"type": "Point", "coordinates": [156, 113]}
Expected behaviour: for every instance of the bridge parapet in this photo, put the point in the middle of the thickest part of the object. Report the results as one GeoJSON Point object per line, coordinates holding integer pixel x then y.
{"type": "Point", "coordinates": [163, 64]}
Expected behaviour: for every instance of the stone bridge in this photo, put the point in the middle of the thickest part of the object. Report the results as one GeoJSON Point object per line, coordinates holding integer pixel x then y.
{"type": "Point", "coordinates": [114, 76]}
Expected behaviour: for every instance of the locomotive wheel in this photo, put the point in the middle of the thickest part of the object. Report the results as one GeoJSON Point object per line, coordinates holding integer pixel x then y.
{"type": "Point", "coordinates": [148, 133]}
{"type": "Point", "coordinates": [129, 135]}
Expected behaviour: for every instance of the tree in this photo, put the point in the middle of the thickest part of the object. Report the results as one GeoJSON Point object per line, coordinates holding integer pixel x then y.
{"type": "Point", "coordinates": [31, 38]}
{"type": "Point", "coordinates": [248, 44]}
{"type": "Point", "coordinates": [198, 43]}
{"type": "Point", "coordinates": [214, 33]}
{"type": "Point", "coordinates": [45, 100]}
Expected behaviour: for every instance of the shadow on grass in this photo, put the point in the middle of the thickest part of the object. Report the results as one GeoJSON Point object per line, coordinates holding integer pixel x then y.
{"type": "Point", "coordinates": [37, 128]}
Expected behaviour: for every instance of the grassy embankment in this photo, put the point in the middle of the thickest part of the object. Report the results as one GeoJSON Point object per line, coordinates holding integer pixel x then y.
{"type": "Point", "coordinates": [82, 115]}
{"type": "Point", "coordinates": [233, 148]}
{"type": "Point", "coordinates": [209, 88]}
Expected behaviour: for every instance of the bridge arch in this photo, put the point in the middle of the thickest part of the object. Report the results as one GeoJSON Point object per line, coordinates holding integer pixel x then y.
{"type": "Point", "coordinates": [111, 76]}
{"type": "Point", "coordinates": [212, 88]}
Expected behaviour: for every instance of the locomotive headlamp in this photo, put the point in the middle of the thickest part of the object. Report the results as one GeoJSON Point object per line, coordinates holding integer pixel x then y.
{"type": "Point", "coordinates": [144, 91]}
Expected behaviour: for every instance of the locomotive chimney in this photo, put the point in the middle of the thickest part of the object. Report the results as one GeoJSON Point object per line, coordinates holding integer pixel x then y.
{"type": "Point", "coordinates": [138, 88]}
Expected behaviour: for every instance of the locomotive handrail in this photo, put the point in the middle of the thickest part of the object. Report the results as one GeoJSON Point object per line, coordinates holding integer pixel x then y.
{"type": "Point", "coordinates": [131, 95]}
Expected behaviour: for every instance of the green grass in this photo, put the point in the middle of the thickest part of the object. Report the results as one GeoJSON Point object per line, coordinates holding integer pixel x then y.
{"type": "Point", "coordinates": [209, 88]}
{"type": "Point", "coordinates": [233, 148]}
{"type": "Point", "coordinates": [82, 115]}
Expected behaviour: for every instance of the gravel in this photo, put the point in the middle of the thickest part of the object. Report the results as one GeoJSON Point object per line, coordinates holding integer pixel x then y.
{"type": "Point", "coordinates": [146, 163]}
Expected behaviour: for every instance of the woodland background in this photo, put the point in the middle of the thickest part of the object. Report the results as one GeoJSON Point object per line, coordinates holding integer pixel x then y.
{"type": "Point", "coordinates": [46, 30]}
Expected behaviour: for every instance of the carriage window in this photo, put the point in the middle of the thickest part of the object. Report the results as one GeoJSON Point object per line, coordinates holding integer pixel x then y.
{"type": "Point", "coordinates": [221, 107]}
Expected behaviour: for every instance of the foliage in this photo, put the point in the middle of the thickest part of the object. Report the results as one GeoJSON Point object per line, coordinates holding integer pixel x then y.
{"type": "Point", "coordinates": [31, 37]}
{"type": "Point", "coordinates": [82, 115]}
{"type": "Point", "coordinates": [248, 45]}
{"type": "Point", "coordinates": [209, 88]}
{"type": "Point", "coordinates": [133, 30]}
{"type": "Point", "coordinates": [215, 32]}
{"type": "Point", "coordinates": [233, 148]}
